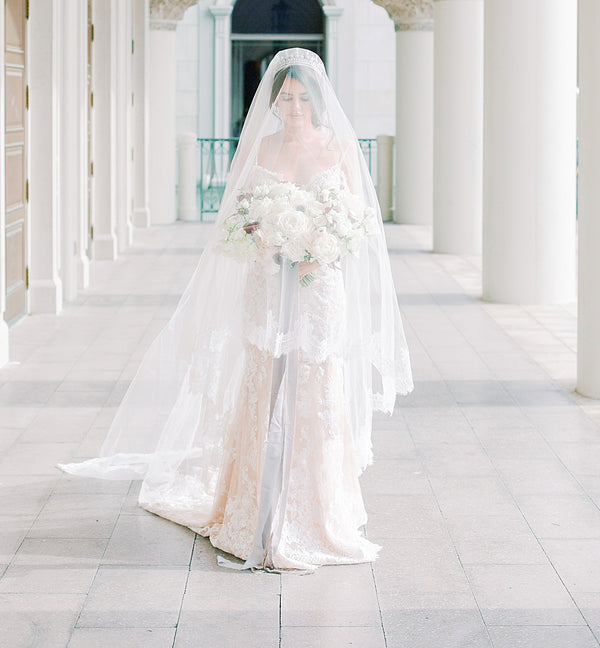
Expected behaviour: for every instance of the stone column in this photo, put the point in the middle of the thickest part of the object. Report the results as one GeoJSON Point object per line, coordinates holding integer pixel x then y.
{"type": "Point", "coordinates": [124, 140]}
{"type": "Point", "coordinates": [332, 18]}
{"type": "Point", "coordinates": [186, 185]}
{"type": "Point", "coordinates": [75, 264]}
{"type": "Point", "coordinates": [164, 15]}
{"type": "Point", "coordinates": [104, 86]}
{"type": "Point", "coordinates": [4, 337]}
{"type": "Point", "coordinates": [458, 126]}
{"type": "Point", "coordinates": [45, 286]}
{"type": "Point", "coordinates": [414, 109]}
{"type": "Point", "coordinates": [588, 316]}
{"type": "Point", "coordinates": [162, 122]}
{"type": "Point", "coordinates": [529, 151]}
{"type": "Point", "coordinates": [222, 70]}
{"type": "Point", "coordinates": [141, 104]}
{"type": "Point", "coordinates": [385, 176]}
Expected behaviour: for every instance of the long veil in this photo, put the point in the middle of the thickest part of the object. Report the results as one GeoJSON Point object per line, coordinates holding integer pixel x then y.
{"type": "Point", "coordinates": [172, 423]}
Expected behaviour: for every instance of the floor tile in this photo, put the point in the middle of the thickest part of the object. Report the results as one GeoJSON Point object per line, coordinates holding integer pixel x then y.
{"type": "Point", "coordinates": [317, 600]}
{"type": "Point", "coordinates": [426, 628]}
{"type": "Point", "coordinates": [335, 637]}
{"type": "Point", "coordinates": [542, 637]}
{"type": "Point", "coordinates": [122, 638]}
{"type": "Point", "coordinates": [148, 540]}
{"type": "Point", "coordinates": [522, 595]}
{"type": "Point", "coordinates": [40, 620]}
{"type": "Point", "coordinates": [231, 595]}
{"type": "Point", "coordinates": [134, 598]}
{"type": "Point", "coordinates": [222, 629]}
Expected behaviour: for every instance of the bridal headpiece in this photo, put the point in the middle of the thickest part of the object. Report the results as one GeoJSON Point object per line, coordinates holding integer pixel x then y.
{"type": "Point", "coordinates": [297, 56]}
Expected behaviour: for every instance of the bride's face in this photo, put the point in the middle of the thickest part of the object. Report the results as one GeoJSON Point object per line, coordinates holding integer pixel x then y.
{"type": "Point", "coordinates": [294, 104]}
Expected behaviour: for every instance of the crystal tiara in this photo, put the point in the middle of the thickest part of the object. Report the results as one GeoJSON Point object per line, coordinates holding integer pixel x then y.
{"type": "Point", "coordinates": [297, 56]}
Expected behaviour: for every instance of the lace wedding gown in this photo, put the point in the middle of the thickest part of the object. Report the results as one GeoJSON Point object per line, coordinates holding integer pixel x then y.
{"type": "Point", "coordinates": [250, 416]}
{"type": "Point", "coordinates": [319, 506]}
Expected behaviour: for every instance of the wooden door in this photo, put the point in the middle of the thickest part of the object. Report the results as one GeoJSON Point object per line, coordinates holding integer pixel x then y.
{"type": "Point", "coordinates": [16, 161]}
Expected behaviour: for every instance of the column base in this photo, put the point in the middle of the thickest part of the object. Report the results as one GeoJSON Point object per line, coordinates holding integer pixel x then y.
{"type": "Point", "coordinates": [188, 214]}
{"type": "Point", "coordinates": [83, 273]}
{"type": "Point", "coordinates": [104, 248]}
{"type": "Point", "coordinates": [4, 350]}
{"type": "Point", "coordinates": [166, 217]}
{"type": "Point", "coordinates": [127, 239]}
{"type": "Point", "coordinates": [589, 388]}
{"type": "Point", "coordinates": [141, 217]}
{"type": "Point", "coordinates": [45, 296]}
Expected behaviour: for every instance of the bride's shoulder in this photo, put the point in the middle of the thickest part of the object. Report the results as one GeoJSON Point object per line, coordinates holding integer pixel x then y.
{"type": "Point", "coordinates": [268, 148]}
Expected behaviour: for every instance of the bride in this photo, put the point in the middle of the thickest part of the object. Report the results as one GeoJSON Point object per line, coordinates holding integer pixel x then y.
{"type": "Point", "coordinates": [249, 420]}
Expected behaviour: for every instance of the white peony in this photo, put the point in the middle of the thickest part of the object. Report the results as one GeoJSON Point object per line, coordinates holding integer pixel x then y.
{"type": "Point", "coordinates": [325, 247]}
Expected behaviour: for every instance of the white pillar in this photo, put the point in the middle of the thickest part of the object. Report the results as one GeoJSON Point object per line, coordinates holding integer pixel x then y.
{"type": "Point", "coordinates": [222, 70]}
{"type": "Point", "coordinates": [458, 126]}
{"type": "Point", "coordinates": [45, 287]}
{"type": "Point", "coordinates": [73, 146]}
{"type": "Point", "coordinates": [141, 82]}
{"type": "Point", "coordinates": [124, 141]}
{"type": "Point", "coordinates": [385, 175]}
{"type": "Point", "coordinates": [4, 337]}
{"type": "Point", "coordinates": [529, 151]}
{"type": "Point", "coordinates": [588, 316]}
{"type": "Point", "coordinates": [332, 19]}
{"type": "Point", "coordinates": [186, 186]}
{"type": "Point", "coordinates": [162, 121]}
{"type": "Point", "coordinates": [83, 224]}
{"type": "Point", "coordinates": [104, 86]}
{"type": "Point", "coordinates": [414, 109]}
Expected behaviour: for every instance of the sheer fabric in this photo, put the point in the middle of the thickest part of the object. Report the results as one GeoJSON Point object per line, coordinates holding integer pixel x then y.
{"type": "Point", "coordinates": [250, 417]}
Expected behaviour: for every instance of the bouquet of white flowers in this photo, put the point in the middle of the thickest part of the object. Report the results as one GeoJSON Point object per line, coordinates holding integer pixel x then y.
{"type": "Point", "coordinates": [321, 225]}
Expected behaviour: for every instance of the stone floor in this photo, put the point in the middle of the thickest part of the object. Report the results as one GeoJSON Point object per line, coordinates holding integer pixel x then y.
{"type": "Point", "coordinates": [484, 493]}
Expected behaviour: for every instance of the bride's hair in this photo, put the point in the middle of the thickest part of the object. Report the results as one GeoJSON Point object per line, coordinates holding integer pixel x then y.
{"type": "Point", "coordinates": [307, 78]}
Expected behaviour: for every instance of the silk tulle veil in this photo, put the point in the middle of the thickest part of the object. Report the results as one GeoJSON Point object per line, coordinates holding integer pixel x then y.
{"type": "Point", "coordinates": [172, 424]}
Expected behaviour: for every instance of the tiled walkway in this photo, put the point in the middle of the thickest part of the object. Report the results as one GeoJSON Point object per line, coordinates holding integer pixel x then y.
{"type": "Point", "coordinates": [484, 494]}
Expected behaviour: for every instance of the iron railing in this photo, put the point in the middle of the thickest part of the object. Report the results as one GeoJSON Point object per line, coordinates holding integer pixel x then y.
{"type": "Point", "coordinates": [214, 160]}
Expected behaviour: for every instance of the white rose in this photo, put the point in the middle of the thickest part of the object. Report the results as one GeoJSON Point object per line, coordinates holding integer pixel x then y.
{"type": "Point", "coordinates": [294, 249]}
{"type": "Point", "coordinates": [370, 225]}
{"type": "Point", "coordinates": [353, 205]}
{"type": "Point", "coordinates": [259, 209]}
{"type": "Point", "coordinates": [269, 226]}
{"type": "Point", "coordinates": [314, 209]}
{"type": "Point", "coordinates": [343, 226]}
{"type": "Point", "coordinates": [353, 242]}
{"type": "Point", "coordinates": [299, 198]}
{"type": "Point", "coordinates": [320, 221]}
{"type": "Point", "coordinates": [261, 190]}
{"type": "Point", "coordinates": [293, 223]}
{"type": "Point", "coordinates": [325, 247]}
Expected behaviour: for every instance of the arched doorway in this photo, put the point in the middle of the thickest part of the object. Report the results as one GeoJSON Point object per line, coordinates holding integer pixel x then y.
{"type": "Point", "coordinates": [260, 29]}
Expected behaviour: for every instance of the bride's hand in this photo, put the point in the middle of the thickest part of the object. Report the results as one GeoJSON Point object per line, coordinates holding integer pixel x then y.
{"type": "Point", "coordinates": [306, 267]}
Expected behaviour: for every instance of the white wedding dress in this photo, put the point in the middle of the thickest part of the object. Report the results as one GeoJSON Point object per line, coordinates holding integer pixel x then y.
{"type": "Point", "coordinates": [249, 419]}
{"type": "Point", "coordinates": [320, 507]}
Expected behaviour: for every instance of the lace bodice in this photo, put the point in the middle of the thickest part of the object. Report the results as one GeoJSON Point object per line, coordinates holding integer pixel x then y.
{"type": "Point", "coordinates": [317, 328]}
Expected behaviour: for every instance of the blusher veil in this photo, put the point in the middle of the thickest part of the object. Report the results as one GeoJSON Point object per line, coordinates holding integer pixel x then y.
{"type": "Point", "coordinates": [171, 426]}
